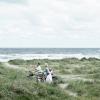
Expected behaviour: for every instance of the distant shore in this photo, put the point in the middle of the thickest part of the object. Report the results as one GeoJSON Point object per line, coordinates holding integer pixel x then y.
{"type": "Point", "coordinates": [7, 54]}
{"type": "Point", "coordinates": [7, 57]}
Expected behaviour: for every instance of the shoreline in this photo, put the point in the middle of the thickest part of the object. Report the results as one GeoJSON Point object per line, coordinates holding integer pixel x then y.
{"type": "Point", "coordinates": [52, 58]}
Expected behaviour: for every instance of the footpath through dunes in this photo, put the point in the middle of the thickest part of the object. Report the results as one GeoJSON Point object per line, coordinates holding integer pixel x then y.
{"type": "Point", "coordinates": [75, 77]}
{"type": "Point", "coordinates": [68, 78]}
{"type": "Point", "coordinates": [6, 64]}
{"type": "Point", "coordinates": [64, 86]}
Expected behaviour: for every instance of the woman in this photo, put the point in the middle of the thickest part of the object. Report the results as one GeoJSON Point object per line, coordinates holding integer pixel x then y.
{"type": "Point", "coordinates": [49, 76]}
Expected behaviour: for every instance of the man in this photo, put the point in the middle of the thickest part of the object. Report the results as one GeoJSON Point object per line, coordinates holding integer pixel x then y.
{"type": "Point", "coordinates": [38, 68]}
{"type": "Point", "coordinates": [38, 72]}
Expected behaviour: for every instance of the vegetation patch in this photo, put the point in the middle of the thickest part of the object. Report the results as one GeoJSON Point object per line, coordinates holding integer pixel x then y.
{"type": "Point", "coordinates": [81, 76]}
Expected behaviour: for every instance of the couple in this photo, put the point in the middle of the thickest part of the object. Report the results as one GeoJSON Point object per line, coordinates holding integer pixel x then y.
{"type": "Point", "coordinates": [47, 72]}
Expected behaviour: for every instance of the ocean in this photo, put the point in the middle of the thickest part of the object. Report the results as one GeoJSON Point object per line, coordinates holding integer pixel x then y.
{"type": "Point", "coordinates": [7, 54]}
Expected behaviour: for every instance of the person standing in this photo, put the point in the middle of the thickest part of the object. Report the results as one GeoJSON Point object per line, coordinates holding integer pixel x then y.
{"type": "Point", "coordinates": [38, 72]}
{"type": "Point", "coordinates": [46, 71]}
{"type": "Point", "coordinates": [49, 76]}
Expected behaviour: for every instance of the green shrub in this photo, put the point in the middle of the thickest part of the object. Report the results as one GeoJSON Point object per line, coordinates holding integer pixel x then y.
{"type": "Point", "coordinates": [17, 62]}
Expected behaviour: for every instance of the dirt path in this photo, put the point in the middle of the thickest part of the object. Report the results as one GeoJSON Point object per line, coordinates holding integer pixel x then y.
{"type": "Point", "coordinates": [64, 86]}
{"type": "Point", "coordinates": [75, 77]}
{"type": "Point", "coordinates": [15, 67]}
{"type": "Point", "coordinates": [68, 78]}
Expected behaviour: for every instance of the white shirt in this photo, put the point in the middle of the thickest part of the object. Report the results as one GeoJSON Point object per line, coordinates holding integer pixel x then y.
{"type": "Point", "coordinates": [49, 77]}
{"type": "Point", "coordinates": [39, 69]}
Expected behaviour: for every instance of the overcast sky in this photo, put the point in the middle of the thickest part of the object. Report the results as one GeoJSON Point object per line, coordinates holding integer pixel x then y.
{"type": "Point", "coordinates": [50, 23]}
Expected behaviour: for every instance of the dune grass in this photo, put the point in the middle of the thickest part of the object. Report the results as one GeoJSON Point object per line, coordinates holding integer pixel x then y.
{"type": "Point", "coordinates": [14, 84]}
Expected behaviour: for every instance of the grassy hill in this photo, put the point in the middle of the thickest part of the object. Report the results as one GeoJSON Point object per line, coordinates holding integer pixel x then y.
{"type": "Point", "coordinates": [81, 76]}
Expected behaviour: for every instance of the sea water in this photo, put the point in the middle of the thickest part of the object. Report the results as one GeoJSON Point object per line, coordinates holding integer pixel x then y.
{"type": "Point", "coordinates": [7, 54]}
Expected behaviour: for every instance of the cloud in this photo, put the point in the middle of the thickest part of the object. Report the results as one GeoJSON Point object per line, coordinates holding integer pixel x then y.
{"type": "Point", "coordinates": [13, 1]}
{"type": "Point", "coordinates": [54, 23]}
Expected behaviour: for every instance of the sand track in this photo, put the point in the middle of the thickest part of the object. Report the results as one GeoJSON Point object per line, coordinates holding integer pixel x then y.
{"type": "Point", "coordinates": [14, 66]}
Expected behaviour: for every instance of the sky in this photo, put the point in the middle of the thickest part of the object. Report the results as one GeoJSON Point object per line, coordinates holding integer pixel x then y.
{"type": "Point", "coordinates": [50, 23]}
